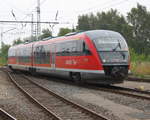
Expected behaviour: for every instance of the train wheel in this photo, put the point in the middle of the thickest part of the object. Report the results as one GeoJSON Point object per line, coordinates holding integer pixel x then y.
{"type": "Point", "coordinates": [76, 77]}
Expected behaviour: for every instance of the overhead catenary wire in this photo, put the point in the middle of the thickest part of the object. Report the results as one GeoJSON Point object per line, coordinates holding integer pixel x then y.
{"type": "Point", "coordinates": [43, 2]}
{"type": "Point", "coordinates": [105, 6]}
{"type": "Point", "coordinates": [92, 9]}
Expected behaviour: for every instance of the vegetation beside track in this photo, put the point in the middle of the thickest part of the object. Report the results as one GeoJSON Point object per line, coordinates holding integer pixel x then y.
{"type": "Point", "coordinates": [140, 64]}
{"type": "Point", "coordinates": [4, 54]}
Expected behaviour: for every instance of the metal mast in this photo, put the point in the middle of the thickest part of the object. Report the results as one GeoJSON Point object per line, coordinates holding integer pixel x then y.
{"type": "Point", "coordinates": [32, 29]}
{"type": "Point", "coordinates": [38, 19]}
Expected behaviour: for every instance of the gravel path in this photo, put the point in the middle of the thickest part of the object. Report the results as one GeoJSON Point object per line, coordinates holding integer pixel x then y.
{"type": "Point", "coordinates": [117, 107]}
{"type": "Point", "coordinates": [16, 104]}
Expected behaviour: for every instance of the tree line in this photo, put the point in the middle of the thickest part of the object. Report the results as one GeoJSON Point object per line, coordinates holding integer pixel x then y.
{"type": "Point", "coordinates": [135, 27]}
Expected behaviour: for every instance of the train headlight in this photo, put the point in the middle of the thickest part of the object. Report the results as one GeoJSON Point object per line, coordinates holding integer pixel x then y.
{"type": "Point", "coordinates": [104, 60]}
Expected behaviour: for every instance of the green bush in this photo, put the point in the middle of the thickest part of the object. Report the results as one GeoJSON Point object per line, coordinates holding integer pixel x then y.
{"type": "Point", "coordinates": [140, 64]}
{"type": "Point", "coordinates": [138, 58]}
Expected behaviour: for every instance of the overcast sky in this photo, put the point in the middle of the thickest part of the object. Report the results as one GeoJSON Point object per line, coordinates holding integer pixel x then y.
{"type": "Point", "coordinates": [68, 11]}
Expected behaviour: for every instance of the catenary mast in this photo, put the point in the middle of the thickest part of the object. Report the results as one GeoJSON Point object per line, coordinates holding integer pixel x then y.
{"type": "Point", "coordinates": [38, 19]}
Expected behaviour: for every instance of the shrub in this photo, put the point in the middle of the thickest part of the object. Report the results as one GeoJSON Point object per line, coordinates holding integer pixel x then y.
{"type": "Point", "coordinates": [140, 64]}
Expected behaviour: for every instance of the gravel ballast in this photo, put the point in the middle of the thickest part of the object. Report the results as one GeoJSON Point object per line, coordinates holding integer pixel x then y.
{"type": "Point", "coordinates": [16, 104]}
{"type": "Point", "coordinates": [126, 106]}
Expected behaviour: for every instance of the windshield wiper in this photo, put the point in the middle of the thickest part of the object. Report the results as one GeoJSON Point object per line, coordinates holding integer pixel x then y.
{"type": "Point", "coordinates": [118, 45]}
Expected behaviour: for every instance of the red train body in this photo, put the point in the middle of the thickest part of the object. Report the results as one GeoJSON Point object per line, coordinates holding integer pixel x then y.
{"type": "Point", "coordinates": [94, 56]}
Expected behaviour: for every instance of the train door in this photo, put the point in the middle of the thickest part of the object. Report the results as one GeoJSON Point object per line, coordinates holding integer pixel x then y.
{"type": "Point", "coordinates": [53, 55]}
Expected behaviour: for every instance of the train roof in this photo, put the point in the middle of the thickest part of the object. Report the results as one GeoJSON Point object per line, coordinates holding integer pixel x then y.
{"type": "Point", "coordinates": [101, 33]}
{"type": "Point", "coordinates": [91, 33]}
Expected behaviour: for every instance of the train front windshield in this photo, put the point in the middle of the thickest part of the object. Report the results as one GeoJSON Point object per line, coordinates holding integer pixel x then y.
{"type": "Point", "coordinates": [110, 45]}
{"type": "Point", "coordinates": [108, 40]}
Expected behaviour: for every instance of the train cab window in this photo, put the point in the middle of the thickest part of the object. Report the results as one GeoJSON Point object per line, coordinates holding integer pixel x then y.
{"type": "Point", "coordinates": [86, 50]}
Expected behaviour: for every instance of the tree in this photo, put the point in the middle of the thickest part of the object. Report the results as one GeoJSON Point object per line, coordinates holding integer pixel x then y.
{"type": "Point", "coordinates": [139, 18]}
{"type": "Point", "coordinates": [64, 31]}
{"type": "Point", "coordinates": [17, 41]}
{"type": "Point", "coordinates": [83, 22]}
{"type": "Point", "coordinates": [45, 33]}
{"type": "Point", "coordinates": [110, 20]}
{"type": "Point", "coordinates": [4, 53]}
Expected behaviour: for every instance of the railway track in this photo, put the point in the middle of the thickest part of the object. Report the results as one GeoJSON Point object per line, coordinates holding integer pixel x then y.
{"type": "Point", "coordinates": [57, 106]}
{"type": "Point", "coordinates": [129, 92]}
{"type": "Point", "coordinates": [5, 116]}
{"type": "Point", "coordinates": [136, 79]}
{"type": "Point", "coordinates": [144, 95]}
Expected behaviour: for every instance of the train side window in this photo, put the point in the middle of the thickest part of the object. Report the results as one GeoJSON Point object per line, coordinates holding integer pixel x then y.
{"type": "Point", "coordinates": [37, 55]}
{"type": "Point", "coordinates": [72, 48]}
{"type": "Point", "coordinates": [63, 49]}
{"type": "Point", "coordinates": [58, 49]}
{"type": "Point", "coordinates": [47, 54]}
{"type": "Point", "coordinates": [42, 54]}
{"type": "Point", "coordinates": [79, 46]}
{"type": "Point", "coordinates": [68, 47]}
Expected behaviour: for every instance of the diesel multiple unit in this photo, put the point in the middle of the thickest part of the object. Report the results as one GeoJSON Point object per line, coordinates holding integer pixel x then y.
{"type": "Point", "coordinates": [95, 56]}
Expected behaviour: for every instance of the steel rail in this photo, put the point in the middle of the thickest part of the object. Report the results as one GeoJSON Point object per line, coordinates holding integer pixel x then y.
{"type": "Point", "coordinates": [33, 99]}
{"type": "Point", "coordinates": [6, 115]}
{"type": "Point", "coordinates": [123, 91]}
{"type": "Point", "coordinates": [84, 109]}
{"type": "Point", "coordinates": [132, 90]}
{"type": "Point", "coordinates": [136, 79]}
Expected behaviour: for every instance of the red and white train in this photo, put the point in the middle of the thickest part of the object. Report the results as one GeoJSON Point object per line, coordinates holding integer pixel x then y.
{"type": "Point", "coordinates": [95, 56]}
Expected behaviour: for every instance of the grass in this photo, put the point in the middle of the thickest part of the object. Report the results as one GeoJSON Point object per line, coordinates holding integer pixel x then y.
{"type": "Point", "coordinates": [140, 64]}
{"type": "Point", "coordinates": [140, 68]}
{"type": "Point", "coordinates": [3, 61]}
